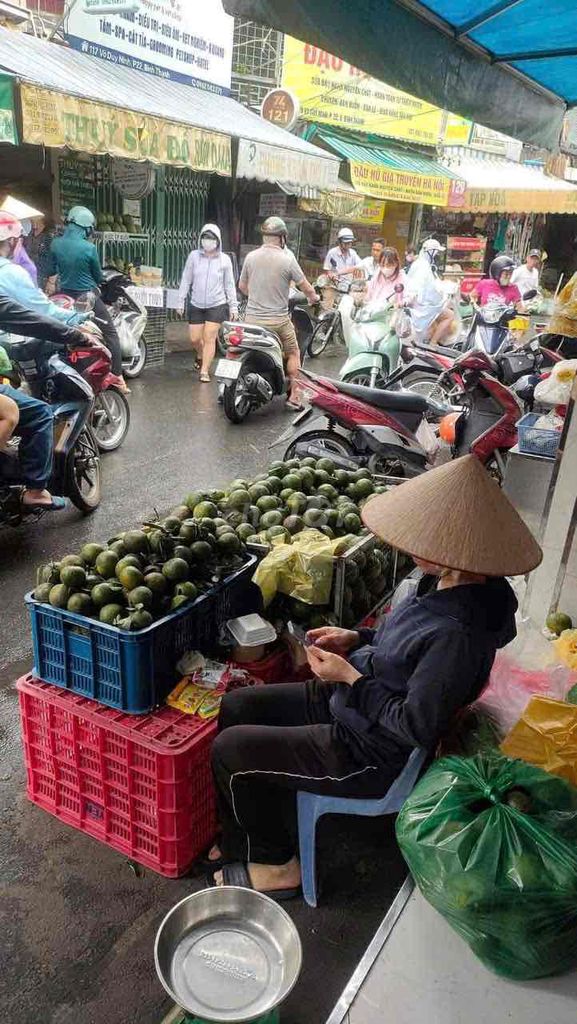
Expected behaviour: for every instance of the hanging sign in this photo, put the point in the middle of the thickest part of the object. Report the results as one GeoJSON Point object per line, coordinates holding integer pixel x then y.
{"type": "Point", "coordinates": [271, 163]}
{"type": "Point", "coordinates": [346, 206]}
{"type": "Point", "coordinates": [183, 40]}
{"type": "Point", "coordinates": [134, 179]}
{"type": "Point", "coordinates": [404, 186]}
{"type": "Point", "coordinates": [53, 119]}
{"type": "Point", "coordinates": [8, 131]}
{"type": "Point", "coordinates": [280, 106]}
{"type": "Point", "coordinates": [272, 204]}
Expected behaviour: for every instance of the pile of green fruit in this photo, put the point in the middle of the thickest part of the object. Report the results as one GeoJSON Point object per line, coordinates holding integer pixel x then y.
{"type": "Point", "coordinates": [117, 222]}
{"type": "Point", "coordinates": [289, 497]}
{"type": "Point", "coordinates": [141, 575]}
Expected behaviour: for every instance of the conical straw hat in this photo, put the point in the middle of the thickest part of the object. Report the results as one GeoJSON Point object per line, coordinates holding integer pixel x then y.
{"type": "Point", "coordinates": [19, 209]}
{"type": "Point", "coordinates": [455, 516]}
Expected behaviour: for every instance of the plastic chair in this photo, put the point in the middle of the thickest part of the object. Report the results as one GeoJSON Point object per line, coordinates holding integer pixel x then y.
{"type": "Point", "coordinates": [312, 806]}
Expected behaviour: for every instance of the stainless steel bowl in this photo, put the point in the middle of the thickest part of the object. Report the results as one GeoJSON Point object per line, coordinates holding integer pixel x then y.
{"type": "Point", "coordinates": [227, 954]}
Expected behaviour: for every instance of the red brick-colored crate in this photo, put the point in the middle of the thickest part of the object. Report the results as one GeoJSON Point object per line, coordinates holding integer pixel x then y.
{"type": "Point", "coordinates": [142, 784]}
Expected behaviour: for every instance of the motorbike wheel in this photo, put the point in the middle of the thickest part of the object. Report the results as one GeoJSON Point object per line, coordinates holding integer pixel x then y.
{"type": "Point", "coordinates": [427, 385]}
{"type": "Point", "coordinates": [221, 345]}
{"type": "Point", "coordinates": [236, 403]}
{"type": "Point", "coordinates": [320, 338]}
{"type": "Point", "coordinates": [83, 473]}
{"type": "Point", "coordinates": [135, 367]}
{"type": "Point", "coordinates": [331, 442]}
{"type": "Point", "coordinates": [110, 419]}
{"type": "Point", "coordinates": [363, 379]}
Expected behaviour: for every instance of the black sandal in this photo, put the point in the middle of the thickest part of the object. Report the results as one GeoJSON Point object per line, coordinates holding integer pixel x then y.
{"type": "Point", "coordinates": [237, 874]}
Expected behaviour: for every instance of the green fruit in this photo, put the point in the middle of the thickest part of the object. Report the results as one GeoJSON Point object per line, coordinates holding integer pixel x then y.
{"type": "Point", "coordinates": [73, 576]}
{"type": "Point", "coordinates": [229, 543]}
{"type": "Point", "coordinates": [72, 560]}
{"type": "Point", "coordinates": [156, 583]}
{"type": "Point", "coordinates": [278, 469]}
{"type": "Point", "coordinates": [181, 512]}
{"type": "Point", "coordinates": [140, 595]}
{"type": "Point", "coordinates": [178, 601]}
{"type": "Point", "coordinates": [327, 465]}
{"type": "Point", "coordinates": [59, 596]}
{"type": "Point", "coordinates": [352, 572]}
{"type": "Point", "coordinates": [239, 499]}
{"type": "Point", "coordinates": [352, 523]}
{"type": "Point", "coordinates": [315, 518]}
{"type": "Point", "coordinates": [130, 577]}
{"type": "Point", "coordinates": [351, 490]}
{"type": "Point", "coordinates": [257, 491]}
{"type": "Point", "coordinates": [297, 503]}
{"type": "Point", "coordinates": [307, 480]}
{"type": "Point", "coordinates": [341, 477]}
{"type": "Point", "coordinates": [206, 510]}
{"type": "Point", "coordinates": [244, 531]}
{"type": "Point", "coordinates": [328, 491]}
{"type": "Point", "coordinates": [102, 594]}
{"type": "Point", "coordinates": [268, 503]}
{"type": "Point", "coordinates": [128, 560]}
{"type": "Point", "coordinates": [181, 551]}
{"type": "Point", "coordinates": [186, 589]}
{"type": "Point", "coordinates": [160, 543]}
{"type": "Point", "coordinates": [42, 592]}
{"type": "Point", "coordinates": [235, 518]}
{"type": "Point", "coordinates": [208, 526]}
{"type": "Point", "coordinates": [110, 613]}
{"type": "Point", "coordinates": [292, 480]}
{"type": "Point", "coordinates": [286, 493]}
{"type": "Point", "coordinates": [171, 525]}
{"type": "Point", "coordinates": [137, 619]}
{"type": "Point", "coordinates": [322, 477]}
{"type": "Point", "coordinates": [106, 563]}
{"type": "Point", "coordinates": [328, 532]}
{"type": "Point", "coordinates": [333, 518]}
{"type": "Point", "coordinates": [254, 539]}
{"type": "Point", "coordinates": [362, 474]}
{"type": "Point", "coordinates": [80, 604]}
{"type": "Point", "coordinates": [557, 622]}
{"type": "Point", "coordinates": [193, 499]}
{"type": "Point", "coordinates": [90, 552]}
{"type": "Point", "coordinates": [238, 484]}
{"type": "Point", "coordinates": [272, 518]}
{"type": "Point", "coordinates": [188, 533]}
{"type": "Point", "coordinates": [317, 501]}
{"type": "Point", "coordinates": [294, 524]}
{"type": "Point", "coordinates": [118, 547]}
{"type": "Point", "coordinates": [227, 528]}
{"type": "Point", "coordinates": [218, 523]}
{"type": "Point", "coordinates": [201, 550]}
{"type": "Point", "coordinates": [309, 461]}
{"type": "Point", "coordinates": [136, 542]}
{"type": "Point", "coordinates": [278, 531]}
{"type": "Point", "coordinates": [274, 484]}
{"type": "Point", "coordinates": [176, 569]}
{"type": "Point", "coordinates": [49, 573]}
{"type": "Point", "coordinates": [364, 487]}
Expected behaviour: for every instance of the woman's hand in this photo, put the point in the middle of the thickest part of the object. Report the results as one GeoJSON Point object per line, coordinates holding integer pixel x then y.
{"type": "Point", "coordinates": [331, 668]}
{"type": "Point", "coordinates": [333, 638]}
{"type": "Point", "coordinates": [233, 316]}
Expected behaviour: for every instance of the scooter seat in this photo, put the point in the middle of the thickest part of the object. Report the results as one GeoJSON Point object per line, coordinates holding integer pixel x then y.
{"type": "Point", "coordinates": [441, 349]}
{"type": "Point", "coordinates": [396, 401]}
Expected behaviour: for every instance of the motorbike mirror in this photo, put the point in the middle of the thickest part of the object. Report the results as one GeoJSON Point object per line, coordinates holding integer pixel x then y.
{"type": "Point", "coordinates": [530, 294]}
{"type": "Point", "coordinates": [399, 288]}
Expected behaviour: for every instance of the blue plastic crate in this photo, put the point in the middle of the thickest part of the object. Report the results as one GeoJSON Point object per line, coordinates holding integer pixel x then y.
{"type": "Point", "coordinates": [537, 440]}
{"type": "Point", "coordinates": [133, 672]}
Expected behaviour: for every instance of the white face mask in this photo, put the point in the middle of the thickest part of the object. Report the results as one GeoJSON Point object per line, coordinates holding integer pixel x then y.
{"type": "Point", "coordinates": [388, 271]}
{"type": "Point", "coordinates": [209, 244]}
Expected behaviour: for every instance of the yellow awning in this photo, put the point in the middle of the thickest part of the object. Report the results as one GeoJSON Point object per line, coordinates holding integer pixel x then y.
{"type": "Point", "coordinates": [503, 186]}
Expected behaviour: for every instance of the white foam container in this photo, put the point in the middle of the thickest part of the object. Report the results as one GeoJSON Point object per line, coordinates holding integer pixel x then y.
{"type": "Point", "coordinates": [251, 630]}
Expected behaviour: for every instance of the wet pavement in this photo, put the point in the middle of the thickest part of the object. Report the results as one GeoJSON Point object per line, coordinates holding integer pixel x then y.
{"type": "Point", "coordinates": [79, 925]}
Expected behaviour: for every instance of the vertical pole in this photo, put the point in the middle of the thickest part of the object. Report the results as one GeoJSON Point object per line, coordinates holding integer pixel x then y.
{"type": "Point", "coordinates": [160, 215]}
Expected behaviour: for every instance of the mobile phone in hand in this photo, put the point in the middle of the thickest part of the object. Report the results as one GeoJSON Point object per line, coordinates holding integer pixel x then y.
{"type": "Point", "coordinates": [299, 634]}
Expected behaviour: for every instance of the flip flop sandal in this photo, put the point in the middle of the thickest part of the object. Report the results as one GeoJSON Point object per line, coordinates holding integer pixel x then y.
{"type": "Point", "coordinates": [56, 505]}
{"type": "Point", "coordinates": [205, 378]}
{"type": "Point", "coordinates": [208, 867]}
{"type": "Point", "coordinates": [237, 874]}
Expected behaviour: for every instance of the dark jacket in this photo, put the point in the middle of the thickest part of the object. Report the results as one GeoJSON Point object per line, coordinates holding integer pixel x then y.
{"type": "Point", "coordinates": [15, 319]}
{"type": "Point", "coordinates": [430, 657]}
{"type": "Point", "coordinates": [75, 260]}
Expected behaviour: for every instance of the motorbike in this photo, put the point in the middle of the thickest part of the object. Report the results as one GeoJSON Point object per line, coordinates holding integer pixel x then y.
{"type": "Point", "coordinates": [130, 318]}
{"type": "Point", "coordinates": [386, 430]}
{"type": "Point", "coordinates": [330, 324]}
{"type": "Point", "coordinates": [372, 341]}
{"type": "Point", "coordinates": [252, 372]}
{"type": "Point", "coordinates": [51, 376]}
{"type": "Point", "coordinates": [111, 411]}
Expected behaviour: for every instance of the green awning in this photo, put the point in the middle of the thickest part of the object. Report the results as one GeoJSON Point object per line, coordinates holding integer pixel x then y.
{"type": "Point", "coordinates": [8, 131]}
{"type": "Point", "coordinates": [389, 172]}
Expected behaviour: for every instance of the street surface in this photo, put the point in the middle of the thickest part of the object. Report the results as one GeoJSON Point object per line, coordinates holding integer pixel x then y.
{"type": "Point", "coordinates": [79, 924]}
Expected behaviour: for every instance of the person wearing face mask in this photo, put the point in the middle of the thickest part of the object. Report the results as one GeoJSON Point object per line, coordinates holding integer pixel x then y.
{"type": "Point", "coordinates": [432, 320]}
{"type": "Point", "coordinates": [208, 284]}
{"type": "Point", "coordinates": [388, 277]}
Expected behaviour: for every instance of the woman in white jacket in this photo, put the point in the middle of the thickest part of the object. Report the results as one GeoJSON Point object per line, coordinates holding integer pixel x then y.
{"type": "Point", "coordinates": [208, 285]}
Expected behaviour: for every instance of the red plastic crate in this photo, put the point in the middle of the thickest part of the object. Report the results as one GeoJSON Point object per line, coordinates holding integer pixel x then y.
{"type": "Point", "coordinates": [142, 785]}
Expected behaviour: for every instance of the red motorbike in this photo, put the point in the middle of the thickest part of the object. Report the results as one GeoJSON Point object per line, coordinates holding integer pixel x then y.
{"type": "Point", "coordinates": [391, 432]}
{"type": "Point", "coordinates": [111, 411]}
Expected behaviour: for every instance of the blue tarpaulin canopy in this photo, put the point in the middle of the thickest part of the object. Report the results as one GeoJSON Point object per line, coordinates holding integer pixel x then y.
{"type": "Point", "coordinates": [507, 64]}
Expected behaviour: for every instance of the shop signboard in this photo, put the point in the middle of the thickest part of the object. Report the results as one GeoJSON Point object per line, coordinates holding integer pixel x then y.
{"type": "Point", "coordinates": [384, 182]}
{"type": "Point", "coordinates": [331, 91]}
{"type": "Point", "coordinates": [457, 131]}
{"type": "Point", "coordinates": [8, 131]}
{"type": "Point", "coordinates": [76, 181]}
{"type": "Point", "coordinates": [134, 179]}
{"type": "Point", "coordinates": [272, 204]}
{"type": "Point", "coordinates": [270, 163]}
{"type": "Point", "coordinates": [517, 200]}
{"type": "Point", "coordinates": [54, 119]}
{"type": "Point", "coordinates": [188, 41]}
{"type": "Point", "coordinates": [348, 207]}
{"type": "Point", "coordinates": [280, 107]}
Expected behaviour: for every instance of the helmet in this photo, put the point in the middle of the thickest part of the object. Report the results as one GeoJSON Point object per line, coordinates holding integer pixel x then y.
{"type": "Point", "coordinates": [10, 226]}
{"type": "Point", "coordinates": [345, 235]}
{"type": "Point", "coordinates": [432, 245]}
{"type": "Point", "coordinates": [499, 265]}
{"type": "Point", "coordinates": [81, 216]}
{"type": "Point", "coordinates": [274, 226]}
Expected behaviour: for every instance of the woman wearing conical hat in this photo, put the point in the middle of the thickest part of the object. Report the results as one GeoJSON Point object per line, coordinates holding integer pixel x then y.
{"type": "Point", "coordinates": [377, 694]}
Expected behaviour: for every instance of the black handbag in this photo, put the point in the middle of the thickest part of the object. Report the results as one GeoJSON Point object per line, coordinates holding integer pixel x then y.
{"type": "Point", "coordinates": [514, 365]}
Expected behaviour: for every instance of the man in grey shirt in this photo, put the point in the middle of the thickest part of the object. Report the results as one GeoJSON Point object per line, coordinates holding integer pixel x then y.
{"type": "Point", "coordinates": [266, 278]}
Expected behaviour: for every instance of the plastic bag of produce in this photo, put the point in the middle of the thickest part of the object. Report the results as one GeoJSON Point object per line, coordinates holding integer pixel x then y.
{"type": "Point", "coordinates": [546, 736]}
{"type": "Point", "coordinates": [303, 569]}
{"type": "Point", "coordinates": [491, 844]}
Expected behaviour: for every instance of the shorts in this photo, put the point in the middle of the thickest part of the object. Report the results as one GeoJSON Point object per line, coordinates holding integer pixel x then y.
{"type": "Point", "coordinates": [214, 315]}
{"type": "Point", "coordinates": [283, 328]}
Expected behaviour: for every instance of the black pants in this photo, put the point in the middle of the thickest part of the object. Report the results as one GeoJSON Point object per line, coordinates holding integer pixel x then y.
{"type": "Point", "coordinates": [109, 332]}
{"type": "Point", "coordinates": [273, 741]}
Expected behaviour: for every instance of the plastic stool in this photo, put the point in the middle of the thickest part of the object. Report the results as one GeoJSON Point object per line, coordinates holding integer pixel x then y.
{"type": "Point", "coordinates": [312, 806]}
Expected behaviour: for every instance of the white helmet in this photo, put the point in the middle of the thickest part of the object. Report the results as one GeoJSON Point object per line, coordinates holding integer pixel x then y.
{"type": "Point", "coordinates": [432, 245]}
{"type": "Point", "coordinates": [345, 235]}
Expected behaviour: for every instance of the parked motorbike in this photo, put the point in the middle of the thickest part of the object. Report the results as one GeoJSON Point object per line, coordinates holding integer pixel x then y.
{"type": "Point", "coordinates": [129, 317]}
{"type": "Point", "coordinates": [111, 411]}
{"type": "Point", "coordinates": [48, 372]}
{"type": "Point", "coordinates": [330, 325]}
{"type": "Point", "coordinates": [372, 341]}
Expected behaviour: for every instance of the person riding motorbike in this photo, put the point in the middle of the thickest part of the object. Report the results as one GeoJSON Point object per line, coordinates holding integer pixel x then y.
{"type": "Point", "coordinates": [498, 284]}
{"type": "Point", "coordinates": [266, 279]}
{"type": "Point", "coordinates": [342, 262]}
{"type": "Point", "coordinates": [34, 420]}
{"type": "Point", "coordinates": [385, 282]}
{"type": "Point", "coordinates": [73, 259]}
{"type": "Point", "coordinates": [432, 320]}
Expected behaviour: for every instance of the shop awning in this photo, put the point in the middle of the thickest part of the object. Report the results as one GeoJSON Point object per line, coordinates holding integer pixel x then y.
{"type": "Point", "coordinates": [502, 186]}
{"type": "Point", "coordinates": [389, 172]}
{"type": "Point", "coordinates": [7, 119]}
{"type": "Point", "coordinates": [507, 64]}
{"type": "Point", "coordinates": [71, 99]}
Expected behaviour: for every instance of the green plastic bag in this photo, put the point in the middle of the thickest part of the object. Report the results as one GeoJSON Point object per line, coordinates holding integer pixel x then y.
{"type": "Point", "coordinates": [492, 845]}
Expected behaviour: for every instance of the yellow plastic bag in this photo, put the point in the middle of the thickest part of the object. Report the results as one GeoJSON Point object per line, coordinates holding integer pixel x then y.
{"type": "Point", "coordinates": [546, 736]}
{"type": "Point", "coordinates": [303, 569]}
